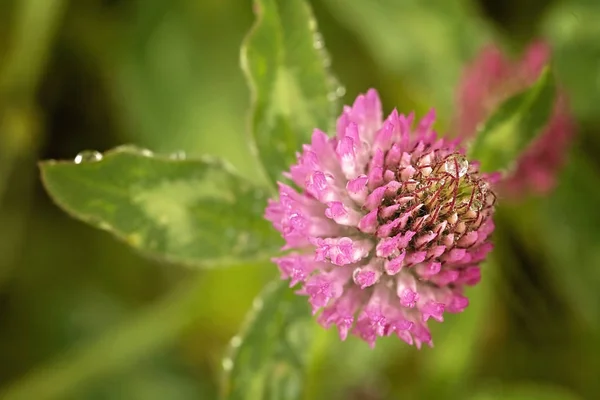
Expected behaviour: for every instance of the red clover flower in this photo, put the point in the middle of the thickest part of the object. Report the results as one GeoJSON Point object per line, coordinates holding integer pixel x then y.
{"type": "Point", "coordinates": [386, 224]}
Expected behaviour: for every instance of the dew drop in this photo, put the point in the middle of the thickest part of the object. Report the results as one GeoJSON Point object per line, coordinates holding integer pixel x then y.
{"type": "Point", "coordinates": [318, 41]}
{"type": "Point", "coordinates": [257, 304]}
{"type": "Point", "coordinates": [104, 226]}
{"type": "Point", "coordinates": [483, 187]}
{"type": "Point", "coordinates": [178, 155]}
{"type": "Point", "coordinates": [475, 205]}
{"type": "Point", "coordinates": [227, 364]}
{"type": "Point", "coordinates": [456, 166]}
{"type": "Point", "coordinates": [87, 156]}
{"type": "Point", "coordinates": [242, 239]}
{"type": "Point", "coordinates": [127, 148]}
{"type": "Point", "coordinates": [235, 342]}
{"type": "Point", "coordinates": [340, 91]}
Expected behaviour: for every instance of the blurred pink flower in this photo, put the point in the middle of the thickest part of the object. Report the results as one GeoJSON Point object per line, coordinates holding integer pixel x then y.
{"type": "Point", "coordinates": [492, 78]}
{"type": "Point", "coordinates": [389, 224]}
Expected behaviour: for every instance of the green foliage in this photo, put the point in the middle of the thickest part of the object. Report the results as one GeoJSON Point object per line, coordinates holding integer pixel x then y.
{"type": "Point", "coordinates": [292, 91]}
{"type": "Point", "coordinates": [571, 27]}
{"type": "Point", "coordinates": [268, 358]}
{"type": "Point", "coordinates": [514, 125]}
{"type": "Point", "coordinates": [525, 392]}
{"type": "Point", "coordinates": [169, 79]}
{"type": "Point", "coordinates": [570, 235]}
{"type": "Point", "coordinates": [121, 347]}
{"type": "Point", "coordinates": [427, 42]}
{"type": "Point", "coordinates": [81, 317]}
{"type": "Point", "coordinates": [459, 338]}
{"type": "Point", "coordinates": [193, 212]}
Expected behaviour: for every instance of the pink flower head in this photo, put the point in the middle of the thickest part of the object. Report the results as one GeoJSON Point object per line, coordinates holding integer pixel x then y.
{"type": "Point", "coordinates": [492, 78]}
{"type": "Point", "coordinates": [388, 226]}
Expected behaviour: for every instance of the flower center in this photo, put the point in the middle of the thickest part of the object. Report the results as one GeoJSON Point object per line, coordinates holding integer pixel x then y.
{"type": "Point", "coordinates": [442, 194]}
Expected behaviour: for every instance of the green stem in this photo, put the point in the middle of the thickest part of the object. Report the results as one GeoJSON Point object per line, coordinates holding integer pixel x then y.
{"type": "Point", "coordinates": [34, 27]}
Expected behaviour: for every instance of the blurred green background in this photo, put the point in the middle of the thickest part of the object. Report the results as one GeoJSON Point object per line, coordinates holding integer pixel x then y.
{"type": "Point", "coordinates": [82, 316]}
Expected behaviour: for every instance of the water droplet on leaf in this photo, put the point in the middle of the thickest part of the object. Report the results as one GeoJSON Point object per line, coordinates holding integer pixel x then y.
{"type": "Point", "coordinates": [456, 166]}
{"type": "Point", "coordinates": [483, 187]}
{"type": "Point", "coordinates": [227, 364]}
{"type": "Point", "coordinates": [318, 41]}
{"type": "Point", "coordinates": [130, 148]}
{"type": "Point", "coordinates": [178, 155]}
{"type": "Point", "coordinates": [104, 226]}
{"type": "Point", "coordinates": [242, 239]}
{"type": "Point", "coordinates": [236, 341]}
{"type": "Point", "coordinates": [88, 156]}
{"type": "Point", "coordinates": [257, 304]}
{"type": "Point", "coordinates": [332, 96]}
